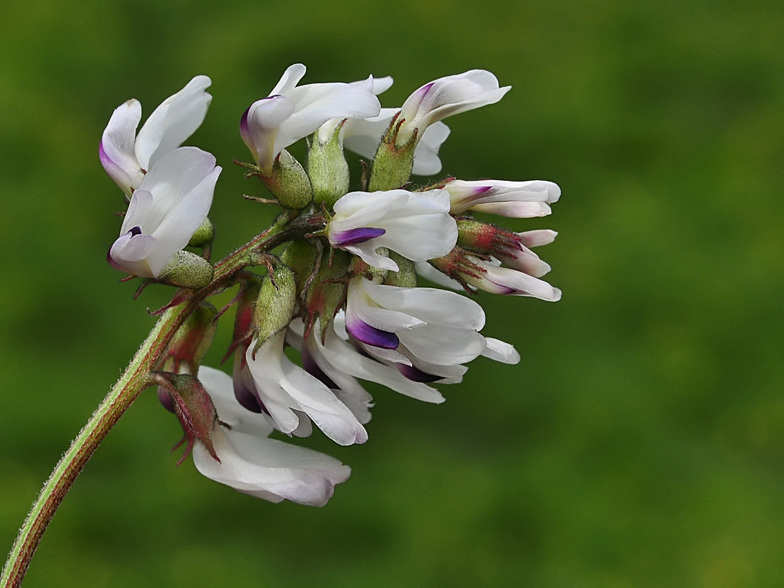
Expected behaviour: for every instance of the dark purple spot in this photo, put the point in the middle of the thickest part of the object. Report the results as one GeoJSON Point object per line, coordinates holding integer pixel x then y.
{"type": "Point", "coordinates": [248, 399]}
{"type": "Point", "coordinates": [166, 400]}
{"type": "Point", "coordinates": [314, 370]}
{"type": "Point", "coordinates": [362, 331]}
{"type": "Point", "coordinates": [415, 374]}
{"type": "Point", "coordinates": [135, 231]}
{"type": "Point", "coordinates": [360, 235]}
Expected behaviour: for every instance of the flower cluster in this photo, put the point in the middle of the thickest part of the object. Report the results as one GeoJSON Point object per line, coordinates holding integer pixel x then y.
{"type": "Point", "coordinates": [338, 272]}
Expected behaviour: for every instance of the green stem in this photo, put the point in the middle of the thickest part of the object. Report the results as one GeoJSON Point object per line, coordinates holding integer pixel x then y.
{"type": "Point", "coordinates": [135, 379]}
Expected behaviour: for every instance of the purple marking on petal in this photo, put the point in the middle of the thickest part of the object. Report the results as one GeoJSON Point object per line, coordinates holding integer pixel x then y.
{"type": "Point", "coordinates": [105, 159]}
{"type": "Point", "coordinates": [477, 193]}
{"type": "Point", "coordinates": [371, 335]}
{"type": "Point", "coordinates": [353, 236]}
{"type": "Point", "coordinates": [135, 231]}
{"type": "Point", "coordinates": [479, 190]}
{"type": "Point", "coordinates": [112, 262]}
{"type": "Point", "coordinates": [248, 399]}
{"type": "Point", "coordinates": [415, 374]}
{"type": "Point", "coordinates": [244, 123]}
{"type": "Point", "coordinates": [424, 91]}
{"type": "Point", "coordinates": [314, 370]}
{"type": "Point", "coordinates": [504, 290]}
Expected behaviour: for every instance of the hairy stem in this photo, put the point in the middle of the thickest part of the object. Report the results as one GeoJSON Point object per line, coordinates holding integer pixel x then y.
{"type": "Point", "coordinates": [135, 379]}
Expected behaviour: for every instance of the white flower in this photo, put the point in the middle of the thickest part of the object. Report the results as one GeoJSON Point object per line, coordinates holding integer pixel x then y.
{"type": "Point", "coordinates": [511, 199]}
{"type": "Point", "coordinates": [445, 97]}
{"type": "Point", "coordinates": [428, 332]}
{"type": "Point", "coordinates": [416, 225]}
{"type": "Point", "coordinates": [289, 394]}
{"type": "Point", "coordinates": [338, 362]}
{"type": "Point", "coordinates": [171, 202]}
{"type": "Point", "coordinates": [493, 278]}
{"type": "Point", "coordinates": [345, 387]}
{"type": "Point", "coordinates": [256, 465]}
{"type": "Point", "coordinates": [126, 156]}
{"type": "Point", "coordinates": [290, 113]}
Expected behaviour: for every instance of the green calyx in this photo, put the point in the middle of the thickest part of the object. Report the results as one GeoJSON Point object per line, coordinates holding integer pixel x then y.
{"type": "Point", "coordinates": [187, 270]}
{"type": "Point", "coordinates": [392, 165]}
{"type": "Point", "coordinates": [328, 169]}
{"type": "Point", "coordinates": [275, 305]}
{"type": "Point", "coordinates": [289, 182]}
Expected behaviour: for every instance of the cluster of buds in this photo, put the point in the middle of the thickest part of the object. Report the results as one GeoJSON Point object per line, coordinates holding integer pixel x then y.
{"type": "Point", "coordinates": [343, 290]}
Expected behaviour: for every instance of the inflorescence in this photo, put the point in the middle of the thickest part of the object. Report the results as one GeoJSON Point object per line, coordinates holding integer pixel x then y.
{"type": "Point", "coordinates": [336, 275]}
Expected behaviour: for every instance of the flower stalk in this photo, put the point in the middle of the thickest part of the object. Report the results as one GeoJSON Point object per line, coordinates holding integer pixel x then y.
{"type": "Point", "coordinates": [133, 381]}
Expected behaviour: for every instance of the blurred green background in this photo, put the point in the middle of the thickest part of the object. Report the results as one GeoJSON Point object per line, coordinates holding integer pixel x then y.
{"type": "Point", "coordinates": [640, 442]}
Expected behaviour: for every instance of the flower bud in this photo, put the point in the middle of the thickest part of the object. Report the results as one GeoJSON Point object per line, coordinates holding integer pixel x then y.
{"type": "Point", "coordinates": [486, 238]}
{"type": "Point", "coordinates": [193, 407]}
{"type": "Point", "coordinates": [301, 257]}
{"type": "Point", "coordinates": [187, 270]}
{"type": "Point", "coordinates": [191, 341]}
{"type": "Point", "coordinates": [393, 164]}
{"type": "Point", "coordinates": [275, 305]}
{"type": "Point", "coordinates": [327, 166]}
{"type": "Point", "coordinates": [288, 182]}
{"type": "Point", "coordinates": [327, 291]}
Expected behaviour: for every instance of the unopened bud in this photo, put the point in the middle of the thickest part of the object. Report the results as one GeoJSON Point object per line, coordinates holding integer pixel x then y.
{"type": "Point", "coordinates": [288, 182]}
{"type": "Point", "coordinates": [188, 270]}
{"type": "Point", "coordinates": [486, 238]}
{"type": "Point", "coordinates": [193, 407]}
{"type": "Point", "coordinates": [327, 166]}
{"type": "Point", "coordinates": [191, 341]}
{"type": "Point", "coordinates": [326, 290]}
{"type": "Point", "coordinates": [275, 305]}
{"type": "Point", "coordinates": [302, 258]}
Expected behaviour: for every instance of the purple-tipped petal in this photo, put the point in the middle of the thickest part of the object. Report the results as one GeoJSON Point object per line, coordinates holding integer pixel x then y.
{"type": "Point", "coordinates": [415, 374]}
{"type": "Point", "coordinates": [369, 335]}
{"type": "Point", "coordinates": [354, 236]}
{"type": "Point", "coordinates": [310, 365]}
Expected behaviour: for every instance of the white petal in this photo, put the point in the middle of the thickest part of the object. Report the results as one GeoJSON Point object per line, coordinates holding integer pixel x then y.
{"type": "Point", "coordinates": [270, 469]}
{"type": "Point", "coordinates": [430, 305]}
{"type": "Point", "coordinates": [500, 351]}
{"type": "Point", "coordinates": [176, 119]}
{"type": "Point", "coordinates": [515, 209]}
{"type": "Point", "coordinates": [129, 253]}
{"type": "Point", "coordinates": [117, 146]}
{"type": "Point", "coordinates": [259, 128]}
{"type": "Point", "coordinates": [284, 386]}
{"type": "Point", "coordinates": [221, 390]}
{"type": "Point", "coordinates": [315, 104]}
{"type": "Point", "coordinates": [444, 345]}
{"type": "Point", "coordinates": [182, 183]}
{"type": "Point", "coordinates": [537, 238]}
{"type": "Point", "coordinates": [344, 357]}
{"type": "Point", "coordinates": [289, 80]}
{"type": "Point", "coordinates": [426, 160]}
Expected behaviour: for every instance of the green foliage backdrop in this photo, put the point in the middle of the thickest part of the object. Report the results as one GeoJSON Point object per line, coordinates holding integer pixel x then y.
{"type": "Point", "coordinates": [640, 442]}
